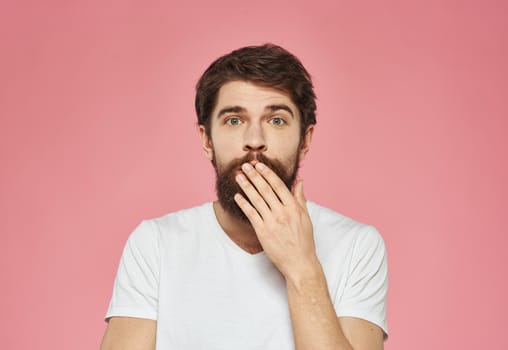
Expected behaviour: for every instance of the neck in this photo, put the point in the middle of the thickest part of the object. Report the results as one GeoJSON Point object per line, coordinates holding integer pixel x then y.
{"type": "Point", "coordinates": [239, 231]}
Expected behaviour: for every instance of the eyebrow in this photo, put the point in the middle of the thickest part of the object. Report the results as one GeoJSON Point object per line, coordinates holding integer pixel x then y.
{"type": "Point", "coordinates": [283, 107]}
{"type": "Point", "coordinates": [239, 109]}
{"type": "Point", "coordinates": [231, 109]}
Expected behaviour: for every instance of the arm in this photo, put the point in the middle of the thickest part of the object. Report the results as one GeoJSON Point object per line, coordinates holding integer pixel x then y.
{"type": "Point", "coordinates": [132, 312]}
{"type": "Point", "coordinates": [315, 324]}
{"type": "Point", "coordinates": [129, 333]}
{"type": "Point", "coordinates": [282, 224]}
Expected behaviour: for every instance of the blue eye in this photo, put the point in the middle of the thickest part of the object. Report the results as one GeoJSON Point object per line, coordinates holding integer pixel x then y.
{"type": "Point", "coordinates": [233, 121]}
{"type": "Point", "coordinates": [277, 121]}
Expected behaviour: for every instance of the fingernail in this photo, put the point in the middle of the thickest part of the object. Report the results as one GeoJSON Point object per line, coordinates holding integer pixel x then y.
{"type": "Point", "coordinates": [260, 166]}
{"type": "Point", "coordinates": [246, 167]}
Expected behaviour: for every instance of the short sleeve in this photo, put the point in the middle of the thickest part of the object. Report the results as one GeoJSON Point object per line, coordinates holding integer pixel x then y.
{"type": "Point", "coordinates": [136, 288]}
{"type": "Point", "coordinates": [367, 283]}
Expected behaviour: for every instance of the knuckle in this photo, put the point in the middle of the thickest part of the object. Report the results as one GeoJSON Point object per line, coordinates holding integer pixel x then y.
{"type": "Point", "coordinates": [253, 174]}
{"type": "Point", "coordinates": [249, 211]}
{"type": "Point", "coordinates": [264, 187]}
{"type": "Point", "coordinates": [279, 186]}
{"type": "Point", "coordinates": [257, 201]}
{"type": "Point", "coordinates": [246, 184]}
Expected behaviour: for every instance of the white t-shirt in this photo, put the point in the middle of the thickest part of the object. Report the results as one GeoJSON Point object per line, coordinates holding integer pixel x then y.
{"type": "Point", "coordinates": [206, 292]}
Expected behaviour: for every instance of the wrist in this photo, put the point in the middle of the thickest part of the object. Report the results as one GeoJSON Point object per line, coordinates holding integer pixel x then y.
{"type": "Point", "coordinates": [308, 273]}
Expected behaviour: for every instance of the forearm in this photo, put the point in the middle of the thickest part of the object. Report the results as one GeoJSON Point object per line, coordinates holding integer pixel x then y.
{"type": "Point", "coordinates": [315, 324]}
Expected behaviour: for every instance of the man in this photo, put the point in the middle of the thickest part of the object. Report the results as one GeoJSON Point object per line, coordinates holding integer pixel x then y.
{"type": "Point", "coordinates": [261, 267]}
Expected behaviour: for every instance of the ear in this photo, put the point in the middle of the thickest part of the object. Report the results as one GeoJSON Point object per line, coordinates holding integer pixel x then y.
{"type": "Point", "coordinates": [306, 141]}
{"type": "Point", "coordinates": [206, 142]}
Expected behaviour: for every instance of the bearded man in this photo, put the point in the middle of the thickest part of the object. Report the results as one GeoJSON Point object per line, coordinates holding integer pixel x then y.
{"type": "Point", "coordinates": [261, 267]}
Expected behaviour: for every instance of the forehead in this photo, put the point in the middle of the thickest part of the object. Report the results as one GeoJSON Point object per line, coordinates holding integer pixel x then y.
{"type": "Point", "coordinates": [251, 96]}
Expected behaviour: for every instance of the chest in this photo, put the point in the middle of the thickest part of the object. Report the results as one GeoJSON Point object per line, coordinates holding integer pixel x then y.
{"type": "Point", "coordinates": [214, 299]}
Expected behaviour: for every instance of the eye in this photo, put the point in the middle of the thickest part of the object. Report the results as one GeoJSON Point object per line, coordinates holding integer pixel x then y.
{"type": "Point", "coordinates": [233, 121]}
{"type": "Point", "coordinates": [277, 121]}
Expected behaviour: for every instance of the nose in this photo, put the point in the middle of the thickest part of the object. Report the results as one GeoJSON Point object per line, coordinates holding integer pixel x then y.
{"type": "Point", "coordinates": [254, 139]}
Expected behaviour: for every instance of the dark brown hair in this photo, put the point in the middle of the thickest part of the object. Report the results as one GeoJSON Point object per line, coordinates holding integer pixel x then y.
{"type": "Point", "coordinates": [267, 65]}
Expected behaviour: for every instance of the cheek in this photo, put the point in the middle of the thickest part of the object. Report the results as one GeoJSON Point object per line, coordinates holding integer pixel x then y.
{"type": "Point", "coordinates": [223, 144]}
{"type": "Point", "coordinates": [284, 147]}
{"type": "Point", "coordinates": [223, 154]}
{"type": "Point", "coordinates": [224, 150]}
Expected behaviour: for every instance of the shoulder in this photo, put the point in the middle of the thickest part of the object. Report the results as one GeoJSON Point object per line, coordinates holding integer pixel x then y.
{"type": "Point", "coordinates": [182, 219]}
{"type": "Point", "coordinates": [330, 226]}
{"type": "Point", "coordinates": [151, 231]}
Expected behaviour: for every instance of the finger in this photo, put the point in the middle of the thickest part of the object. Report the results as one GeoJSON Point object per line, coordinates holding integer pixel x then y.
{"type": "Point", "coordinates": [249, 211]}
{"type": "Point", "coordinates": [252, 194]}
{"type": "Point", "coordinates": [298, 193]}
{"type": "Point", "coordinates": [261, 185]}
{"type": "Point", "coordinates": [277, 185]}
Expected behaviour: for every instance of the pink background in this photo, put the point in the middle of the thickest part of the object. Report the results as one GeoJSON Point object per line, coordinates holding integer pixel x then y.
{"type": "Point", "coordinates": [98, 132]}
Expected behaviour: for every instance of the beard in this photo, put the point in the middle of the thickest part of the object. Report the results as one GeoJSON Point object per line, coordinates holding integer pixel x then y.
{"type": "Point", "coordinates": [226, 185]}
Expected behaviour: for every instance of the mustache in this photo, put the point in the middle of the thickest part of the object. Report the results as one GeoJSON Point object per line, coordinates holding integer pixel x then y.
{"type": "Point", "coordinates": [287, 176]}
{"type": "Point", "coordinates": [249, 157]}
